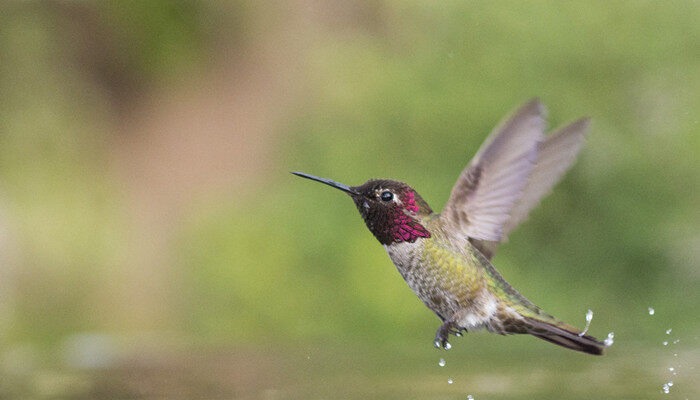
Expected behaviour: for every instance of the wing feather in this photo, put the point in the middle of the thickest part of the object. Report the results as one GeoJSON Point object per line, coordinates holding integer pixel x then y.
{"type": "Point", "coordinates": [489, 187]}
{"type": "Point", "coordinates": [556, 155]}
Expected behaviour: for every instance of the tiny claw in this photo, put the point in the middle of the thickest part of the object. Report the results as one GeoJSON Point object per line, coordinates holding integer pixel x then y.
{"type": "Point", "coordinates": [443, 334]}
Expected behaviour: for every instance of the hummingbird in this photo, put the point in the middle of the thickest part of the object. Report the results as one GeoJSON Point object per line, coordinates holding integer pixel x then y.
{"type": "Point", "coordinates": [445, 258]}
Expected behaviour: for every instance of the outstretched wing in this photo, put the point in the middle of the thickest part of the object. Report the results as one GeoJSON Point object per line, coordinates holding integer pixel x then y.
{"type": "Point", "coordinates": [483, 199]}
{"type": "Point", "coordinates": [500, 187]}
{"type": "Point", "coordinates": [556, 155]}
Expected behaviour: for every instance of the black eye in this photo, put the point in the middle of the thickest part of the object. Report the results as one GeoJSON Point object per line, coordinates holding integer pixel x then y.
{"type": "Point", "coordinates": [386, 196]}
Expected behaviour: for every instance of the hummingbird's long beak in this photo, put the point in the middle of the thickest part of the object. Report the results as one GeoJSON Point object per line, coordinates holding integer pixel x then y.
{"type": "Point", "coordinates": [344, 188]}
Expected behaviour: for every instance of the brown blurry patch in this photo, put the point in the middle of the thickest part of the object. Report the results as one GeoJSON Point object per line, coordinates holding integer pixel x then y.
{"type": "Point", "coordinates": [211, 134]}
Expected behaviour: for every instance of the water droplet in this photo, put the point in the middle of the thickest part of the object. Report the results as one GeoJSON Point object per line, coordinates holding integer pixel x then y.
{"type": "Point", "coordinates": [589, 318]}
{"type": "Point", "coordinates": [448, 346]}
{"type": "Point", "coordinates": [671, 369]}
{"type": "Point", "coordinates": [470, 397]}
{"type": "Point", "coordinates": [670, 383]}
{"type": "Point", "coordinates": [668, 331]}
{"type": "Point", "coordinates": [449, 381]}
{"type": "Point", "coordinates": [609, 340]}
{"type": "Point", "coordinates": [442, 362]}
{"type": "Point", "coordinates": [666, 388]}
{"type": "Point", "coordinates": [665, 343]}
{"type": "Point", "coordinates": [651, 311]}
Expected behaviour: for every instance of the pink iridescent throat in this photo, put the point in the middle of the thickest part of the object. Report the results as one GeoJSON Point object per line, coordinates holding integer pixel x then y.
{"type": "Point", "coordinates": [404, 228]}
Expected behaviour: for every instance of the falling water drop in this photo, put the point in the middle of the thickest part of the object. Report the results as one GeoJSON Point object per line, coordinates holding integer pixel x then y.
{"type": "Point", "coordinates": [668, 331]}
{"type": "Point", "coordinates": [609, 340]}
{"type": "Point", "coordinates": [449, 381]}
{"type": "Point", "coordinates": [666, 388]}
{"type": "Point", "coordinates": [589, 318]}
{"type": "Point", "coordinates": [671, 369]}
{"type": "Point", "coordinates": [665, 343]}
{"type": "Point", "coordinates": [651, 311]}
{"type": "Point", "coordinates": [442, 362]}
{"type": "Point", "coordinates": [470, 397]}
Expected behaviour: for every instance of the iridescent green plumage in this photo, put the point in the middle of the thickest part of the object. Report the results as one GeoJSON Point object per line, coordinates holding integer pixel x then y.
{"type": "Point", "coordinates": [457, 282]}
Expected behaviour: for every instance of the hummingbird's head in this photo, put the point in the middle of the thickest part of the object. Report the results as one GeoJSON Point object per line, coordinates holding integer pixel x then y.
{"type": "Point", "coordinates": [391, 209]}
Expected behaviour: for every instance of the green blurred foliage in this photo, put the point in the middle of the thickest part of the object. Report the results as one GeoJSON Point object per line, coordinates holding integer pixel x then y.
{"type": "Point", "coordinates": [412, 100]}
{"type": "Point", "coordinates": [410, 96]}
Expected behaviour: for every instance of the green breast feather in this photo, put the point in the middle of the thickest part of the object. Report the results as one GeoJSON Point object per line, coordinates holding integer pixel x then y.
{"type": "Point", "coordinates": [465, 272]}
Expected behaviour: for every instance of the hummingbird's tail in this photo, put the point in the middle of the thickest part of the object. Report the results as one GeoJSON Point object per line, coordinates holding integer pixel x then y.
{"type": "Point", "coordinates": [563, 335]}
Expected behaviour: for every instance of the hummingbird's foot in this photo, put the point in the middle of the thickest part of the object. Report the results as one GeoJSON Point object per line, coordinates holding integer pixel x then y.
{"type": "Point", "coordinates": [443, 333]}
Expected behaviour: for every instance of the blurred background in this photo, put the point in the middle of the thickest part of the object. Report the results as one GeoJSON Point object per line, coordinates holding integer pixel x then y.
{"type": "Point", "coordinates": [154, 245]}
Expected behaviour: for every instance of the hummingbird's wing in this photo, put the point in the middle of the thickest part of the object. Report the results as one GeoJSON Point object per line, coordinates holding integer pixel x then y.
{"type": "Point", "coordinates": [556, 155]}
{"type": "Point", "coordinates": [483, 198]}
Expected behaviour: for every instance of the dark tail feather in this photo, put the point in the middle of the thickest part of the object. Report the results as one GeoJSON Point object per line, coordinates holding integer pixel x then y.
{"type": "Point", "coordinates": [565, 336]}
